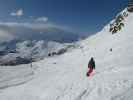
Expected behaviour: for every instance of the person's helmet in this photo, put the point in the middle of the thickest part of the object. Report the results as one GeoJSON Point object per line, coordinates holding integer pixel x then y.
{"type": "Point", "coordinates": [92, 58]}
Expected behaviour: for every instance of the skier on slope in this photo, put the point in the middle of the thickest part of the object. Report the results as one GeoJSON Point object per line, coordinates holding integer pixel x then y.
{"type": "Point", "coordinates": [91, 66]}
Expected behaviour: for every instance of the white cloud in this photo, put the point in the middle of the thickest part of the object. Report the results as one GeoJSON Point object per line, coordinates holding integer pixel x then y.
{"type": "Point", "coordinates": [15, 30]}
{"type": "Point", "coordinates": [5, 36]}
{"type": "Point", "coordinates": [34, 26]}
{"type": "Point", "coordinates": [42, 19]}
{"type": "Point", "coordinates": [18, 13]}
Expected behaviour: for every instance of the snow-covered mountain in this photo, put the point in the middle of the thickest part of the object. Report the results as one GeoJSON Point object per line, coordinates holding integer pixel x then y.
{"type": "Point", "coordinates": [64, 77]}
{"type": "Point", "coordinates": [18, 41]}
{"type": "Point", "coordinates": [24, 52]}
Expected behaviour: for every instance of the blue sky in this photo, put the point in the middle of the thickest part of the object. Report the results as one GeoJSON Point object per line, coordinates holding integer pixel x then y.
{"type": "Point", "coordinates": [83, 16]}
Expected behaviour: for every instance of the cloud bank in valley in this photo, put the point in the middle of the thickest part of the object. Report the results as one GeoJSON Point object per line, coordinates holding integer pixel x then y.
{"type": "Point", "coordinates": [5, 36]}
{"type": "Point", "coordinates": [34, 30]}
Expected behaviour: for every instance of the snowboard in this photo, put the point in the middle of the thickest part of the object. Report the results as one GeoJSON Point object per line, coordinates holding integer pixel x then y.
{"type": "Point", "coordinates": [91, 74]}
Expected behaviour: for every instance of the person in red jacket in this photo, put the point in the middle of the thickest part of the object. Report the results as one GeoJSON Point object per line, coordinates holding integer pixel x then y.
{"type": "Point", "coordinates": [91, 66]}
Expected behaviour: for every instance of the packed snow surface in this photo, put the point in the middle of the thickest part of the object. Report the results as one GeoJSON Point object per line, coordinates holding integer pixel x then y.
{"type": "Point", "coordinates": [64, 77]}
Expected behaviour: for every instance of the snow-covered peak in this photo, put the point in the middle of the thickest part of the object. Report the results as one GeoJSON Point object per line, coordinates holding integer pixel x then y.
{"type": "Point", "coordinates": [105, 32]}
{"type": "Point", "coordinates": [27, 50]}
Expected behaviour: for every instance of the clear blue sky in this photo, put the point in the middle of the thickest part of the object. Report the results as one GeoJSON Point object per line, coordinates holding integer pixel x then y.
{"type": "Point", "coordinates": [87, 16]}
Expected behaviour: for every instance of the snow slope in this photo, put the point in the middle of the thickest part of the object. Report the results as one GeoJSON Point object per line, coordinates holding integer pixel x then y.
{"type": "Point", "coordinates": [64, 77]}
